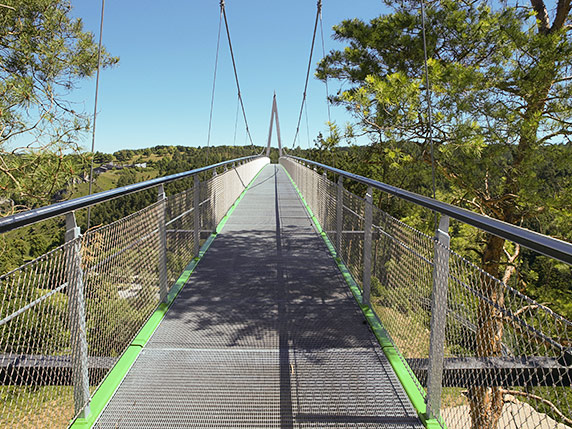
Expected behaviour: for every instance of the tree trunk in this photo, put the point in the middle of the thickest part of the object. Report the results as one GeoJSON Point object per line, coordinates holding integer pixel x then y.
{"type": "Point", "coordinates": [486, 402]}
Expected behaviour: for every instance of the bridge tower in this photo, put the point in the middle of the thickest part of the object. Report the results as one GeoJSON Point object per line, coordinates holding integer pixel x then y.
{"type": "Point", "coordinates": [273, 115]}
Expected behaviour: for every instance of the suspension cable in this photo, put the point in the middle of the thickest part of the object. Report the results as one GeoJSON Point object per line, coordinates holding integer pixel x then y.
{"type": "Point", "coordinates": [324, 56]}
{"type": "Point", "coordinates": [223, 9]}
{"type": "Point", "coordinates": [307, 127]}
{"type": "Point", "coordinates": [428, 96]}
{"type": "Point", "coordinates": [214, 85]}
{"type": "Point", "coordinates": [236, 121]}
{"type": "Point", "coordinates": [318, 12]}
{"type": "Point", "coordinates": [95, 109]}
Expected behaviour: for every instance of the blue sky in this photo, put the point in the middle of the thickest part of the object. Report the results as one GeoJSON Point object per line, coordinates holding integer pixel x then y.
{"type": "Point", "coordinates": [160, 92]}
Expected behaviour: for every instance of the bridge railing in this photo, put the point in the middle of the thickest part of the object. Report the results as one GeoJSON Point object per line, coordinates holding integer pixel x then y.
{"type": "Point", "coordinates": [482, 354]}
{"type": "Point", "coordinates": [67, 316]}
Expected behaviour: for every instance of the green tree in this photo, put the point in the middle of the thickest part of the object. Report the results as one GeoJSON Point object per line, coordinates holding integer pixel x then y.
{"type": "Point", "coordinates": [123, 155]}
{"type": "Point", "coordinates": [501, 88]}
{"type": "Point", "coordinates": [102, 158]}
{"type": "Point", "coordinates": [44, 54]}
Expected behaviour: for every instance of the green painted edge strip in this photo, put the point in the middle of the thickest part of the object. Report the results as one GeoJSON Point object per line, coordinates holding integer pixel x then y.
{"type": "Point", "coordinates": [399, 367]}
{"type": "Point", "coordinates": [108, 387]}
{"type": "Point", "coordinates": [113, 379]}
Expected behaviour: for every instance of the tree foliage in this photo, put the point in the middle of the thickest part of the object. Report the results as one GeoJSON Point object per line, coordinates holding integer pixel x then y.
{"type": "Point", "coordinates": [500, 92]}
{"type": "Point", "coordinates": [500, 78]}
{"type": "Point", "coordinates": [44, 53]}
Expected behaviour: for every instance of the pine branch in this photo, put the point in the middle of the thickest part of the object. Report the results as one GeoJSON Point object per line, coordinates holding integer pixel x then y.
{"type": "Point", "coordinates": [538, 398]}
{"type": "Point", "coordinates": [562, 11]}
{"type": "Point", "coordinates": [541, 15]}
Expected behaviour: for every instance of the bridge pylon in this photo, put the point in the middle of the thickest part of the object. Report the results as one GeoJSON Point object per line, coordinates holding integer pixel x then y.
{"type": "Point", "coordinates": [273, 115]}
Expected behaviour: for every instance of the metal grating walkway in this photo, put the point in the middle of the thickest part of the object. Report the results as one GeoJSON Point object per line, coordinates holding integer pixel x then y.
{"type": "Point", "coordinates": [265, 335]}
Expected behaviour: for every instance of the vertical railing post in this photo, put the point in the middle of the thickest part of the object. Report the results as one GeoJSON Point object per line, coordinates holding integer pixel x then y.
{"type": "Point", "coordinates": [303, 175]}
{"type": "Point", "coordinates": [225, 191]}
{"type": "Point", "coordinates": [339, 215]}
{"type": "Point", "coordinates": [315, 181]}
{"type": "Point", "coordinates": [438, 318]}
{"type": "Point", "coordinates": [235, 186]}
{"type": "Point", "coordinates": [297, 171]}
{"type": "Point", "coordinates": [76, 304]}
{"type": "Point", "coordinates": [295, 167]}
{"type": "Point", "coordinates": [367, 246]}
{"type": "Point", "coordinates": [302, 179]}
{"type": "Point", "coordinates": [163, 288]}
{"type": "Point", "coordinates": [307, 186]}
{"type": "Point", "coordinates": [197, 210]}
{"type": "Point", "coordinates": [324, 197]}
{"type": "Point", "coordinates": [213, 200]}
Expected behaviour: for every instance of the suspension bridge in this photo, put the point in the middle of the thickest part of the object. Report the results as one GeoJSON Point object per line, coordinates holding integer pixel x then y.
{"type": "Point", "coordinates": [270, 296]}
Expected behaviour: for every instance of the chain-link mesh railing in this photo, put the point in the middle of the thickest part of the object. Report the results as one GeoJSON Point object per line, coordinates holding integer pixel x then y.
{"type": "Point", "coordinates": [66, 317]}
{"type": "Point", "coordinates": [36, 351]}
{"type": "Point", "coordinates": [506, 358]}
{"type": "Point", "coordinates": [508, 355]}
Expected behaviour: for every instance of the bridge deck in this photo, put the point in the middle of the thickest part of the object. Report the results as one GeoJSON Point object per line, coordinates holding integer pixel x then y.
{"type": "Point", "coordinates": [266, 334]}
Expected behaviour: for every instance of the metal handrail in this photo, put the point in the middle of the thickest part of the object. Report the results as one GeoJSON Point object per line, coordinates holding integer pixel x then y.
{"type": "Point", "coordinates": [540, 243]}
{"type": "Point", "coordinates": [29, 217]}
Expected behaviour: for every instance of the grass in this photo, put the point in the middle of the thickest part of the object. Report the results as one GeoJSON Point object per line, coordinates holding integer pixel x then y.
{"type": "Point", "coordinates": [36, 406]}
{"type": "Point", "coordinates": [109, 179]}
{"type": "Point", "coordinates": [408, 330]}
{"type": "Point", "coordinates": [453, 397]}
{"type": "Point", "coordinates": [150, 158]}
{"type": "Point", "coordinates": [48, 407]}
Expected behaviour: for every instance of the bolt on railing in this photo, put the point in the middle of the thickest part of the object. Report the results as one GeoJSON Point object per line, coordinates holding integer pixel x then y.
{"type": "Point", "coordinates": [67, 316]}
{"type": "Point", "coordinates": [433, 304]}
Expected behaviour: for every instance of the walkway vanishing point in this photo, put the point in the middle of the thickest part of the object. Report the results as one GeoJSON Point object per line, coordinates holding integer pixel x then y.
{"type": "Point", "coordinates": [265, 334]}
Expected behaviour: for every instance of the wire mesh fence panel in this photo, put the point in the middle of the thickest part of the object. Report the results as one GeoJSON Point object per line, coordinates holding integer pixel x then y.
{"type": "Point", "coordinates": [180, 232]}
{"type": "Point", "coordinates": [318, 192]}
{"type": "Point", "coordinates": [121, 274]}
{"type": "Point", "coordinates": [507, 357]}
{"type": "Point", "coordinates": [35, 349]}
{"type": "Point", "coordinates": [207, 204]}
{"type": "Point", "coordinates": [217, 198]}
{"type": "Point", "coordinates": [68, 316]}
{"type": "Point", "coordinates": [352, 235]}
{"type": "Point", "coordinates": [328, 192]}
{"type": "Point", "coordinates": [401, 287]}
{"type": "Point", "coordinates": [311, 192]}
{"type": "Point", "coordinates": [222, 184]}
